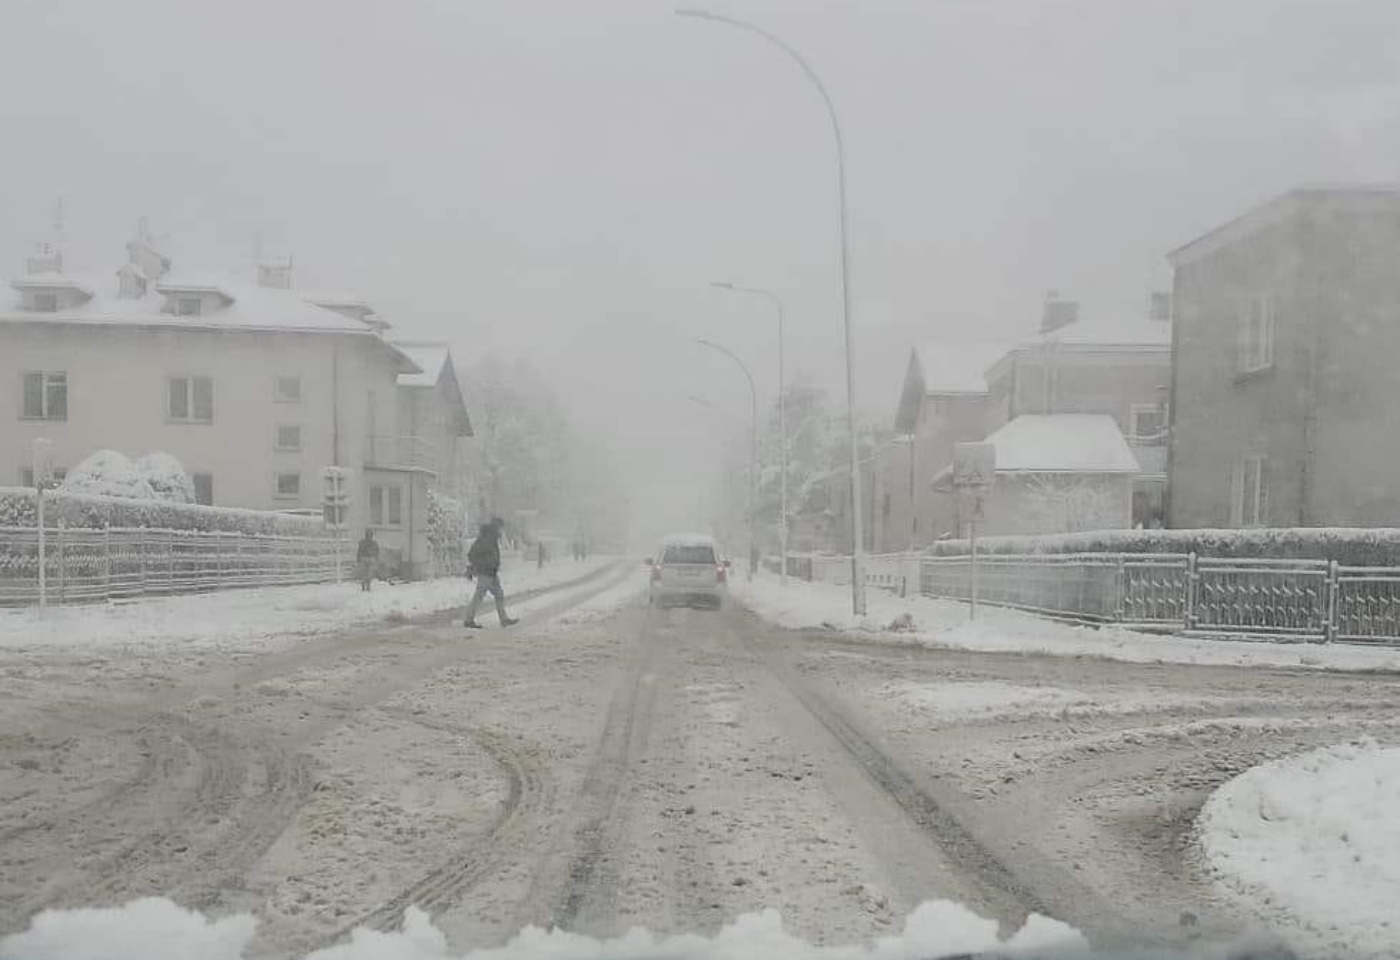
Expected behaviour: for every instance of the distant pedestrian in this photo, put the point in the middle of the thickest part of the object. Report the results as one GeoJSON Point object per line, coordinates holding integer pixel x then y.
{"type": "Point", "coordinates": [366, 557]}
{"type": "Point", "coordinates": [484, 563]}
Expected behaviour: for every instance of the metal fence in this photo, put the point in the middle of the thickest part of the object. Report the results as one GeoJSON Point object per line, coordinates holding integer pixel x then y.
{"type": "Point", "coordinates": [1304, 600]}
{"type": "Point", "coordinates": [85, 565]}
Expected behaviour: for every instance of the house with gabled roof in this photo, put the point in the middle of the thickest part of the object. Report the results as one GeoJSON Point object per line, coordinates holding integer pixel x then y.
{"type": "Point", "coordinates": [251, 385]}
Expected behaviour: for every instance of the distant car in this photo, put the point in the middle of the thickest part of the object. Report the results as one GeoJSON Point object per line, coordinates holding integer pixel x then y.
{"type": "Point", "coordinates": [687, 570]}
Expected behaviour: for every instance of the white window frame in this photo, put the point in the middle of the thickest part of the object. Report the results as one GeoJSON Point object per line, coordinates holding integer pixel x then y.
{"type": "Point", "coordinates": [1249, 503]}
{"type": "Point", "coordinates": [48, 379]}
{"type": "Point", "coordinates": [281, 397]}
{"type": "Point", "coordinates": [277, 491]}
{"type": "Point", "coordinates": [382, 503]}
{"type": "Point", "coordinates": [189, 381]}
{"type": "Point", "coordinates": [286, 448]}
{"type": "Point", "coordinates": [1157, 410]}
{"type": "Point", "coordinates": [1257, 334]}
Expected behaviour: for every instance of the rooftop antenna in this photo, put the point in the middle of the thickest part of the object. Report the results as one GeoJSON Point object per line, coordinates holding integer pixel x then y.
{"type": "Point", "coordinates": [58, 237]}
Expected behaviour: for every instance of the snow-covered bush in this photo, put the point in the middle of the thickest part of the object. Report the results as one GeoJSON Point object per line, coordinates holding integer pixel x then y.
{"type": "Point", "coordinates": [166, 477]}
{"type": "Point", "coordinates": [17, 509]}
{"type": "Point", "coordinates": [1355, 546]}
{"type": "Point", "coordinates": [448, 534]}
{"type": "Point", "coordinates": [108, 473]}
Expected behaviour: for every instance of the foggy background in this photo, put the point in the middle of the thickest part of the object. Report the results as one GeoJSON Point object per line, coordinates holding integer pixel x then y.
{"type": "Point", "coordinates": [564, 179]}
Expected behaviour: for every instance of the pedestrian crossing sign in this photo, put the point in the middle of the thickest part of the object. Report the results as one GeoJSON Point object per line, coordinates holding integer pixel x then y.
{"type": "Point", "coordinates": [974, 465]}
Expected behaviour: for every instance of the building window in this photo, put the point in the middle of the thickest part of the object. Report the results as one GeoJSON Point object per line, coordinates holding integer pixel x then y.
{"type": "Point", "coordinates": [288, 486]}
{"type": "Point", "coordinates": [289, 437]}
{"type": "Point", "coordinates": [191, 399]}
{"type": "Point", "coordinates": [1149, 423]}
{"type": "Point", "coordinates": [203, 488]}
{"type": "Point", "coordinates": [386, 506]}
{"type": "Point", "coordinates": [288, 390]}
{"type": "Point", "coordinates": [45, 301]}
{"type": "Point", "coordinates": [188, 306]}
{"type": "Point", "coordinates": [1257, 327]}
{"type": "Point", "coordinates": [1251, 493]}
{"type": "Point", "coordinates": [46, 395]}
{"type": "Point", "coordinates": [26, 476]}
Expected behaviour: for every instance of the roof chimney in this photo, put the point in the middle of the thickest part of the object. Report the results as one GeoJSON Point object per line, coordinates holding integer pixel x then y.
{"type": "Point", "coordinates": [1057, 313]}
{"type": "Point", "coordinates": [47, 258]}
{"type": "Point", "coordinates": [275, 274]}
{"type": "Point", "coordinates": [142, 254]}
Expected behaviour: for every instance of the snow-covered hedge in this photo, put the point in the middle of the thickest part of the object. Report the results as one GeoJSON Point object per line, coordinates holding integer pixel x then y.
{"type": "Point", "coordinates": [166, 477]}
{"type": "Point", "coordinates": [153, 476]}
{"type": "Point", "coordinates": [448, 534]}
{"type": "Point", "coordinates": [18, 509]}
{"type": "Point", "coordinates": [1356, 546]}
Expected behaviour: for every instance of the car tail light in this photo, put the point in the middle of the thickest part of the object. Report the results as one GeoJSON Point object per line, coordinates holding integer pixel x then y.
{"type": "Point", "coordinates": [656, 573]}
{"type": "Point", "coordinates": [720, 575]}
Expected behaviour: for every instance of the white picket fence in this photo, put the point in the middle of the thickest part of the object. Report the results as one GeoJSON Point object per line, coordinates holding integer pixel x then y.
{"type": "Point", "coordinates": [1305, 600]}
{"type": "Point", "coordinates": [84, 565]}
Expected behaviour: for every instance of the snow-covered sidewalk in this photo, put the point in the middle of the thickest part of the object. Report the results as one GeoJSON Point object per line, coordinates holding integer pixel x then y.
{"type": "Point", "coordinates": [945, 623]}
{"type": "Point", "coordinates": [239, 616]}
{"type": "Point", "coordinates": [1312, 844]}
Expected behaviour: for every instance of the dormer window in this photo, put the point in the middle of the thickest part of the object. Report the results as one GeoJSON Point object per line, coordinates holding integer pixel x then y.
{"type": "Point", "coordinates": [51, 294]}
{"type": "Point", "coordinates": [192, 299]}
{"type": "Point", "coordinates": [188, 306]}
{"type": "Point", "coordinates": [45, 301]}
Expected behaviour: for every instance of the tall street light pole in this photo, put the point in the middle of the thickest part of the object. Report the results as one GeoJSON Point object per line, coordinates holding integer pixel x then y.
{"type": "Point", "coordinates": [753, 443]}
{"type": "Point", "coordinates": [857, 526]}
{"type": "Point", "coordinates": [782, 420]}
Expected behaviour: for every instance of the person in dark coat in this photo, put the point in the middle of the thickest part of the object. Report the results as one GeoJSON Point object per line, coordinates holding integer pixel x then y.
{"type": "Point", "coordinates": [366, 556]}
{"type": "Point", "coordinates": [484, 563]}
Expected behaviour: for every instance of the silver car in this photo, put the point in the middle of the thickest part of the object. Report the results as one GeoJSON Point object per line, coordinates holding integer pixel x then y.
{"type": "Point", "coordinates": [687, 570]}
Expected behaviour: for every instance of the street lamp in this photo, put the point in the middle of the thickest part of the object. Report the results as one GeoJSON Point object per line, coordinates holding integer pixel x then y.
{"type": "Point", "coordinates": [753, 443]}
{"type": "Point", "coordinates": [858, 534]}
{"type": "Point", "coordinates": [782, 419]}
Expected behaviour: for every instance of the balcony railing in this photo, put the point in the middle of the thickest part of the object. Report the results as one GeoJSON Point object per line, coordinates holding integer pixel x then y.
{"type": "Point", "coordinates": [401, 453]}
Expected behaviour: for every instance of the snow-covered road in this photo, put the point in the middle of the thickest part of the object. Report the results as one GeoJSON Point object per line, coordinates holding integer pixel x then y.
{"type": "Point", "coordinates": [605, 765]}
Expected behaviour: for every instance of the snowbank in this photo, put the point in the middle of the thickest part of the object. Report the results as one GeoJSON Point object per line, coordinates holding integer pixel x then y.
{"type": "Point", "coordinates": [234, 617]}
{"type": "Point", "coordinates": [154, 929]}
{"type": "Point", "coordinates": [1312, 843]}
{"type": "Point", "coordinates": [944, 623]}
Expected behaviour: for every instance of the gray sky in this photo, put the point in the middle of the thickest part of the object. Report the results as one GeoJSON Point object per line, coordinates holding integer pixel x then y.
{"type": "Point", "coordinates": [562, 178]}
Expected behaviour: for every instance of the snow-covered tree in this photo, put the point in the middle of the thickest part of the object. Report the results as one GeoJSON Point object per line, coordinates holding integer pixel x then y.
{"type": "Point", "coordinates": [1052, 503]}
{"type": "Point", "coordinates": [109, 474]}
{"type": "Point", "coordinates": [166, 476]}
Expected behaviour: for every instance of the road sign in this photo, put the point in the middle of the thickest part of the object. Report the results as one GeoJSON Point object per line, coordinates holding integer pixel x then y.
{"type": "Point", "coordinates": [974, 464]}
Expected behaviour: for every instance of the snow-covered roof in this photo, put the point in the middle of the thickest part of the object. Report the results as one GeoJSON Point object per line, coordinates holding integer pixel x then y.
{"type": "Point", "coordinates": [953, 366]}
{"type": "Point", "coordinates": [1063, 443]}
{"type": "Point", "coordinates": [688, 540]}
{"type": "Point", "coordinates": [50, 281]}
{"type": "Point", "coordinates": [251, 308]}
{"type": "Point", "coordinates": [1109, 333]}
{"type": "Point", "coordinates": [430, 358]}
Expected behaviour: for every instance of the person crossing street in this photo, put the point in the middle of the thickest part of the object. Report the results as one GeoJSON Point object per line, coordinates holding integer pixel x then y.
{"type": "Point", "coordinates": [484, 563]}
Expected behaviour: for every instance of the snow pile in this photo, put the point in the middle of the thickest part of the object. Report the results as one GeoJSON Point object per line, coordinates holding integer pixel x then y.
{"type": "Point", "coordinates": [155, 929]}
{"type": "Point", "coordinates": [945, 623]}
{"type": "Point", "coordinates": [233, 617]}
{"type": "Point", "coordinates": [1312, 842]}
{"type": "Point", "coordinates": [166, 477]}
{"type": "Point", "coordinates": [108, 473]}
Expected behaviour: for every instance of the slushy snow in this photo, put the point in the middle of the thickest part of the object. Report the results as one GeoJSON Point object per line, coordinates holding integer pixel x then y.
{"type": "Point", "coordinates": [945, 623]}
{"type": "Point", "coordinates": [157, 929]}
{"type": "Point", "coordinates": [233, 617]}
{"type": "Point", "coordinates": [1311, 844]}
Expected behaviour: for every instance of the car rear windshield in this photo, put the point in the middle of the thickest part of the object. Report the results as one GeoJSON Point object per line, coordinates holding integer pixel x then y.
{"type": "Point", "coordinates": [689, 553]}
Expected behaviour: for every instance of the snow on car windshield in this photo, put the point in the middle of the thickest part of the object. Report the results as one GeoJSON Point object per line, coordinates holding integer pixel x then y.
{"type": "Point", "coordinates": [689, 553]}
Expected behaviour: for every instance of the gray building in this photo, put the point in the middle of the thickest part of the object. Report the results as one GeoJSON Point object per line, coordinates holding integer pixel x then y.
{"type": "Point", "coordinates": [1286, 343]}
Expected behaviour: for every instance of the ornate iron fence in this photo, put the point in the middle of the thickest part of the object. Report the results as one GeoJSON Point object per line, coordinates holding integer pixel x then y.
{"type": "Point", "coordinates": [85, 565]}
{"type": "Point", "coordinates": [1301, 600]}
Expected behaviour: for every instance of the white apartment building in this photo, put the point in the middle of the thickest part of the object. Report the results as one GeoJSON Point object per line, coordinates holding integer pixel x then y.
{"type": "Point", "coordinates": [252, 386]}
